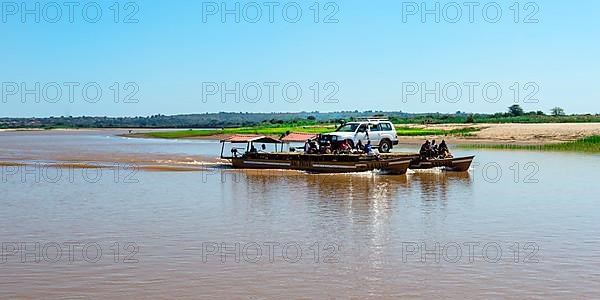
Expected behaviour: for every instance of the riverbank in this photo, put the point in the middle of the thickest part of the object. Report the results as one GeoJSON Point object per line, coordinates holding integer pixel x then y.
{"type": "Point", "coordinates": [476, 134]}
{"type": "Point", "coordinates": [536, 136]}
{"type": "Point", "coordinates": [277, 131]}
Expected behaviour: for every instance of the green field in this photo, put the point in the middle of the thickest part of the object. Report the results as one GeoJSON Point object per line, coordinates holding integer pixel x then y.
{"type": "Point", "coordinates": [589, 144]}
{"type": "Point", "coordinates": [282, 129]}
{"type": "Point", "coordinates": [265, 130]}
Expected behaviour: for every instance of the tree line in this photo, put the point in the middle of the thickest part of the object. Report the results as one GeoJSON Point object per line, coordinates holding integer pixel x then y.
{"type": "Point", "coordinates": [514, 113]}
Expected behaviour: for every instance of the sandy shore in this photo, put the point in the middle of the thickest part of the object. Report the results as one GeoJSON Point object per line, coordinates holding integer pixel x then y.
{"type": "Point", "coordinates": [517, 134]}
{"type": "Point", "coordinates": [513, 133]}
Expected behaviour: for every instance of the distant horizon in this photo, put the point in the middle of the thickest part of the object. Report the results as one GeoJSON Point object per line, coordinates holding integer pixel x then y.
{"type": "Point", "coordinates": [525, 107]}
{"type": "Point", "coordinates": [287, 112]}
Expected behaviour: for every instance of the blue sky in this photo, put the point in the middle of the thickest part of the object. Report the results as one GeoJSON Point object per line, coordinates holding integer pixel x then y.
{"type": "Point", "coordinates": [365, 58]}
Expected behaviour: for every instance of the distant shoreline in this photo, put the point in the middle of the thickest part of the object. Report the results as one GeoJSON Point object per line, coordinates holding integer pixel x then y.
{"type": "Point", "coordinates": [515, 114]}
{"type": "Point", "coordinates": [536, 136]}
{"type": "Point", "coordinates": [77, 129]}
{"type": "Point", "coordinates": [487, 134]}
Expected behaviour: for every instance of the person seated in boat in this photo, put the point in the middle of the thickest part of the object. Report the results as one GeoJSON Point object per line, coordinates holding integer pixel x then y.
{"type": "Point", "coordinates": [434, 148]}
{"type": "Point", "coordinates": [368, 148]}
{"type": "Point", "coordinates": [359, 146]}
{"type": "Point", "coordinates": [314, 147]}
{"type": "Point", "coordinates": [327, 148]}
{"type": "Point", "coordinates": [443, 146]}
{"type": "Point", "coordinates": [425, 150]}
{"type": "Point", "coordinates": [444, 151]}
{"type": "Point", "coordinates": [253, 149]}
{"type": "Point", "coordinates": [344, 147]}
{"type": "Point", "coordinates": [370, 151]}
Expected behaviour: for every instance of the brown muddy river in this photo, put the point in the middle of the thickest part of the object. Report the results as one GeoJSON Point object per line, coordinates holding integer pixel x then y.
{"type": "Point", "coordinates": [518, 225]}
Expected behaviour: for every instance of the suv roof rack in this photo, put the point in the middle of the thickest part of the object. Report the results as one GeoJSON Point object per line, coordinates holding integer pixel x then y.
{"type": "Point", "coordinates": [372, 119]}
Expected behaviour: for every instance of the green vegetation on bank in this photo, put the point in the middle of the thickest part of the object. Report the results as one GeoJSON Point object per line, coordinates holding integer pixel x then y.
{"type": "Point", "coordinates": [495, 118]}
{"type": "Point", "coordinates": [265, 130]}
{"type": "Point", "coordinates": [588, 144]}
{"type": "Point", "coordinates": [284, 128]}
{"type": "Point", "coordinates": [514, 114]}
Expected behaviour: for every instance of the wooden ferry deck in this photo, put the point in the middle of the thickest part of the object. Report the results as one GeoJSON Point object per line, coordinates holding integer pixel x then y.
{"type": "Point", "coordinates": [394, 163]}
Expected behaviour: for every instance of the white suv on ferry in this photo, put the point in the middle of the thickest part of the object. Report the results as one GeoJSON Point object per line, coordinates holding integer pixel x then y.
{"type": "Point", "coordinates": [380, 132]}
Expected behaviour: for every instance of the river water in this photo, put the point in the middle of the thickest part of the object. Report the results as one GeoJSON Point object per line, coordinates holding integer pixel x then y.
{"type": "Point", "coordinates": [518, 225]}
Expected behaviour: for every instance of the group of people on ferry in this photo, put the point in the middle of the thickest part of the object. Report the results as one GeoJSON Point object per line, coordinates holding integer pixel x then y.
{"type": "Point", "coordinates": [312, 146]}
{"type": "Point", "coordinates": [431, 150]}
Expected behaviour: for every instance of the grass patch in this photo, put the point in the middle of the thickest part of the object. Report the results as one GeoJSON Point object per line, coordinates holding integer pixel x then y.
{"type": "Point", "coordinates": [589, 144]}
{"type": "Point", "coordinates": [282, 129]}
{"type": "Point", "coordinates": [264, 130]}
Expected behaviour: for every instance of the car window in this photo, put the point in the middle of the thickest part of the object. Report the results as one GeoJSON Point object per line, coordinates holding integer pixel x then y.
{"type": "Point", "coordinates": [347, 128]}
{"type": "Point", "coordinates": [386, 126]}
{"type": "Point", "coordinates": [374, 127]}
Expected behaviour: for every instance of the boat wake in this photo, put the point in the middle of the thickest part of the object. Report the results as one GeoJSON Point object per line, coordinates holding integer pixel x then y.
{"type": "Point", "coordinates": [155, 163]}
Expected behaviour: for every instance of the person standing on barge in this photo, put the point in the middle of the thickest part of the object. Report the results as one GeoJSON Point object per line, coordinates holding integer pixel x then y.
{"type": "Point", "coordinates": [307, 146]}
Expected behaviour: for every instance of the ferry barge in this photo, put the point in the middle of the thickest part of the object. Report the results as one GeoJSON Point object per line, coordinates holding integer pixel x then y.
{"type": "Point", "coordinates": [249, 157]}
{"type": "Point", "coordinates": [317, 163]}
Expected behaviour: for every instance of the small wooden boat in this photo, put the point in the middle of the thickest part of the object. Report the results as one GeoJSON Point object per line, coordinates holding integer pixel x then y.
{"type": "Point", "coordinates": [456, 164]}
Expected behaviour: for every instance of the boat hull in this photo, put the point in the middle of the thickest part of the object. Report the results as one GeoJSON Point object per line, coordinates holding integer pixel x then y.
{"type": "Point", "coordinates": [458, 164]}
{"type": "Point", "coordinates": [309, 164]}
{"type": "Point", "coordinates": [391, 163]}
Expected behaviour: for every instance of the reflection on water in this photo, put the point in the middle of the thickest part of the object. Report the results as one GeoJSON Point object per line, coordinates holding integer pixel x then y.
{"type": "Point", "coordinates": [369, 187]}
{"type": "Point", "coordinates": [361, 235]}
{"type": "Point", "coordinates": [434, 185]}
